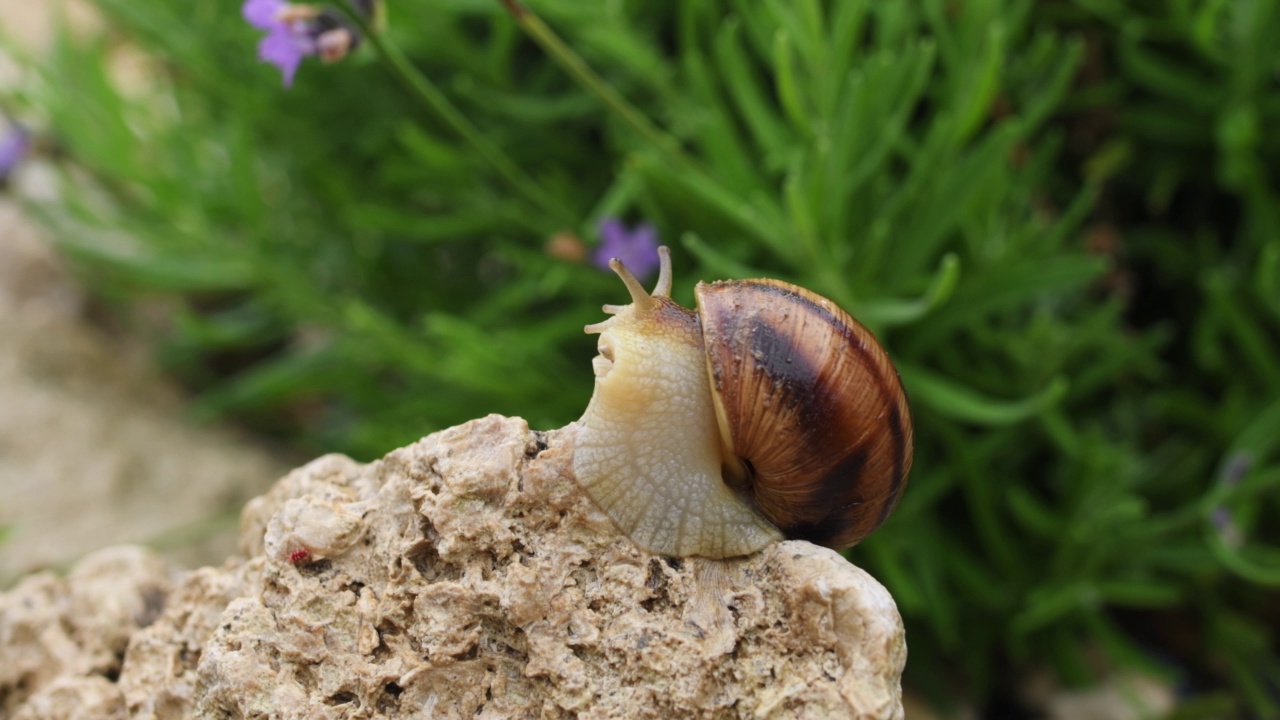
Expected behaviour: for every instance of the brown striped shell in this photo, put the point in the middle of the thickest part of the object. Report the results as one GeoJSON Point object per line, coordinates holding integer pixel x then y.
{"type": "Point", "coordinates": [770, 413]}
{"type": "Point", "coordinates": [811, 406]}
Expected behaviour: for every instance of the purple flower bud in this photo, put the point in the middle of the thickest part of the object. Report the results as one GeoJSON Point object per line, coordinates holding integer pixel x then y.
{"type": "Point", "coordinates": [285, 47]}
{"type": "Point", "coordinates": [1225, 524]}
{"type": "Point", "coordinates": [1221, 518]}
{"type": "Point", "coordinates": [1234, 470]}
{"type": "Point", "coordinates": [637, 248]}
{"type": "Point", "coordinates": [288, 38]}
{"type": "Point", "coordinates": [263, 14]}
{"type": "Point", "coordinates": [13, 147]}
{"type": "Point", "coordinates": [296, 31]}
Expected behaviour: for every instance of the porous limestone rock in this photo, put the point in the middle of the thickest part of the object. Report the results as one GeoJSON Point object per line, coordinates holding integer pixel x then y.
{"type": "Point", "coordinates": [62, 639]}
{"type": "Point", "coordinates": [467, 576]}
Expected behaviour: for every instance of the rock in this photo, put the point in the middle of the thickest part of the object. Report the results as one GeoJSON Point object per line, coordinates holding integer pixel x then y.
{"type": "Point", "coordinates": [467, 576]}
{"type": "Point", "coordinates": [62, 640]}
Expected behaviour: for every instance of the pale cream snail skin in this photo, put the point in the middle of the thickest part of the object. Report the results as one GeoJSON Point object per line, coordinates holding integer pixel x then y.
{"type": "Point", "coordinates": [770, 413]}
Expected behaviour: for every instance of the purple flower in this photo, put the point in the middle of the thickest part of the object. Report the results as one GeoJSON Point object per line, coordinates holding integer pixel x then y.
{"type": "Point", "coordinates": [290, 36]}
{"type": "Point", "coordinates": [1226, 526]}
{"type": "Point", "coordinates": [296, 31]}
{"type": "Point", "coordinates": [1236, 467]}
{"type": "Point", "coordinates": [13, 146]}
{"type": "Point", "coordinates": [637, 248]}
{"type": "Point", "coordinates": [263, 14]}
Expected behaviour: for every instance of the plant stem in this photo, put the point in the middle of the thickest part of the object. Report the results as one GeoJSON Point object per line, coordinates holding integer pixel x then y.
{"type": "Point", "coordinates": [437, 102]}
{"type": "Point", "coordinates": [573, 63]}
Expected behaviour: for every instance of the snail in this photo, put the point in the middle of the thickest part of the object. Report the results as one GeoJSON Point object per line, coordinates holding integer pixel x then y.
{"type": "Point", "coordinates": [769, 413]}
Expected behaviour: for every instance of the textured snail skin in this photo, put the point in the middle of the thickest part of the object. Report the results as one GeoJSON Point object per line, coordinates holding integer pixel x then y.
{"type": "Point", "coordinates": [772, 413]}
{"type": "Point", "coordinates": [649, 451]}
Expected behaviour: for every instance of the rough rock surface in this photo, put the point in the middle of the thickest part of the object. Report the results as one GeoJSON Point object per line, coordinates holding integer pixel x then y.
{"type": "Point", "coordinates": [463, 576]}
{"type": "Point", "coordinates": [62, 639]}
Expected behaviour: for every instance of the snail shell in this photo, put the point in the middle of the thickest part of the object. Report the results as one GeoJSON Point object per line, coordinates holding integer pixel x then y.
{"type": "Point", "coordinates": [771, 413]}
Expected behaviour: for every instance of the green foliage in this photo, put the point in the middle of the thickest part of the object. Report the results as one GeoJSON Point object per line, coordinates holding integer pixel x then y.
{"type": "Point", "coordinates": [1016, 197]}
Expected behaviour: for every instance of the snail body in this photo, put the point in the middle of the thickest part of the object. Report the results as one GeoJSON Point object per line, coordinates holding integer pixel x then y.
{"type": "Point", "coordinates": [770, 413]}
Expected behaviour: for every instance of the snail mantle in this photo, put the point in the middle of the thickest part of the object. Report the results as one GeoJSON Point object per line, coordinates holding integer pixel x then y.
{"type": "Point", "coordinates": [464, 576]}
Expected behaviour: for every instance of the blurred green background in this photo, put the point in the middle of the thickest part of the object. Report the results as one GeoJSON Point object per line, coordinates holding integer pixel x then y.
{"type": "Point", "coordinates": [1061, 218]}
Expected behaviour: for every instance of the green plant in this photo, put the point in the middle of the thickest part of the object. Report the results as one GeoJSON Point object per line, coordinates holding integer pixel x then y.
{"type": "Point", "coordinates": [363, 259]}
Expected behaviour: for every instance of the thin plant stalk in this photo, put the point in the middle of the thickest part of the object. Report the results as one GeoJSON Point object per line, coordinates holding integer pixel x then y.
{"type": "Point", "coordinates": [572, 63]}
{"type": "Point", "coordinates": [438, 103]}
{"type": "Point", "coordinates": [579, 70]}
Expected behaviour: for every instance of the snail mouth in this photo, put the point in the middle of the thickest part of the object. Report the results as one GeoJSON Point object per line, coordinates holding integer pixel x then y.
{"type": "Point", "coordinates": [601, 365]}
{"type": "Point", "coordinates": [603, 362]}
